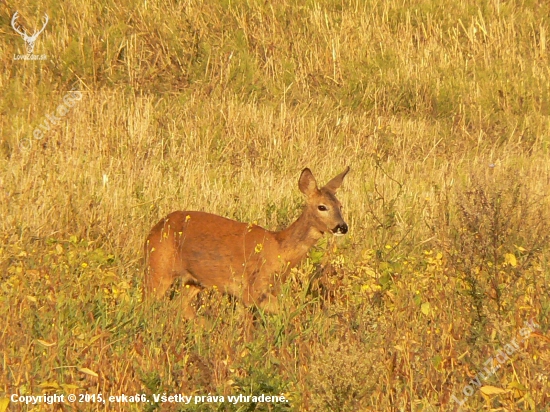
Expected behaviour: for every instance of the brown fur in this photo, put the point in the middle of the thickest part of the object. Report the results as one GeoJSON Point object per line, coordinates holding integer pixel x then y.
{"type": "Point", "coordinates": [244, 260]}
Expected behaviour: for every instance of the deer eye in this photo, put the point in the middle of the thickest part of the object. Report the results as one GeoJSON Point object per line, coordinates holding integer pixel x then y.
{"type": "Point", "coordinates": [322, 208]}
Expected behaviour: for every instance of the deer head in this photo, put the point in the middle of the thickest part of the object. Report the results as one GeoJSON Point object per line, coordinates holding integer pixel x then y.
{"type": "Point", "coordinates": [29, 40]}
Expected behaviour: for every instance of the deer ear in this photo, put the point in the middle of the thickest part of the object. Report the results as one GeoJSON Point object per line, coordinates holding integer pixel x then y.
{"type": "Point", "coordinates": [336, 182]}
{"type": "Point", "coordinates": [307, 183]}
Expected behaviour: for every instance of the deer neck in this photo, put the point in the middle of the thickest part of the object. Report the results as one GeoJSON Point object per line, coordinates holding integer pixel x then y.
{"type": "Point", "coordinates": [297, 239]}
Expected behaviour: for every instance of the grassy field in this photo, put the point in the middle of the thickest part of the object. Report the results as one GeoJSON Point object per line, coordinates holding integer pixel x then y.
{"type": "Point", "coordinates": [142, 107]}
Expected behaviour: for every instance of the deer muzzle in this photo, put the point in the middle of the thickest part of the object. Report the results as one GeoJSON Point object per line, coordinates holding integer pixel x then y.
{"type": "Point", "coordinates": [340, 229]}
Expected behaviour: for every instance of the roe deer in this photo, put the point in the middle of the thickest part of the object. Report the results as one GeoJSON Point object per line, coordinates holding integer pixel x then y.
{"type": "Point", "coordinates": [244, 260]}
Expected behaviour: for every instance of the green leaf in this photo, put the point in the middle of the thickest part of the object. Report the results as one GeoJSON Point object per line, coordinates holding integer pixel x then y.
{"type": "Point", "coordinates": [4, 402]}
{"type": "Point", "coordinates": [425, 308]}
{"type": "Point", "coordinates": [510, 258]}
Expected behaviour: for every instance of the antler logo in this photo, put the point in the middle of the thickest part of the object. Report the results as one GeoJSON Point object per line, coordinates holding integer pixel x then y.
{"type": "Point", "coordinates": [29, 40]}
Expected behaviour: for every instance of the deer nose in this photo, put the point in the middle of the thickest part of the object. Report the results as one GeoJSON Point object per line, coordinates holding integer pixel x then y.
{"type": "Point", "coordinates": [340, 229]}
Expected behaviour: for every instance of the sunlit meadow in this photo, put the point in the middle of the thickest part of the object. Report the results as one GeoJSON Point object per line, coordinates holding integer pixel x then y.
{"type": "Point", "coordinates": [440, 108]}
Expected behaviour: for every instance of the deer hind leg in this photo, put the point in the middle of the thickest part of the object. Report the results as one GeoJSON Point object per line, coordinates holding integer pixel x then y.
{"type": "Point", "coordinates": [161, 269]}
{"type": "Point", "coordinates": [158, 279]}
{"type": "Point", "coordinates": [189, 292]}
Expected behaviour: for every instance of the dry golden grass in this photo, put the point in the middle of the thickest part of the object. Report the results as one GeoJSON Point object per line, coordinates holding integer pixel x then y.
{"type": "Point", "coordinates": [440, 108]}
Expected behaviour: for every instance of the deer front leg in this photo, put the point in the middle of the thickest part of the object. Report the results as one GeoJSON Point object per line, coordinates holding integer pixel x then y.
{"type": "Point", "coordinates": [259, 293]}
